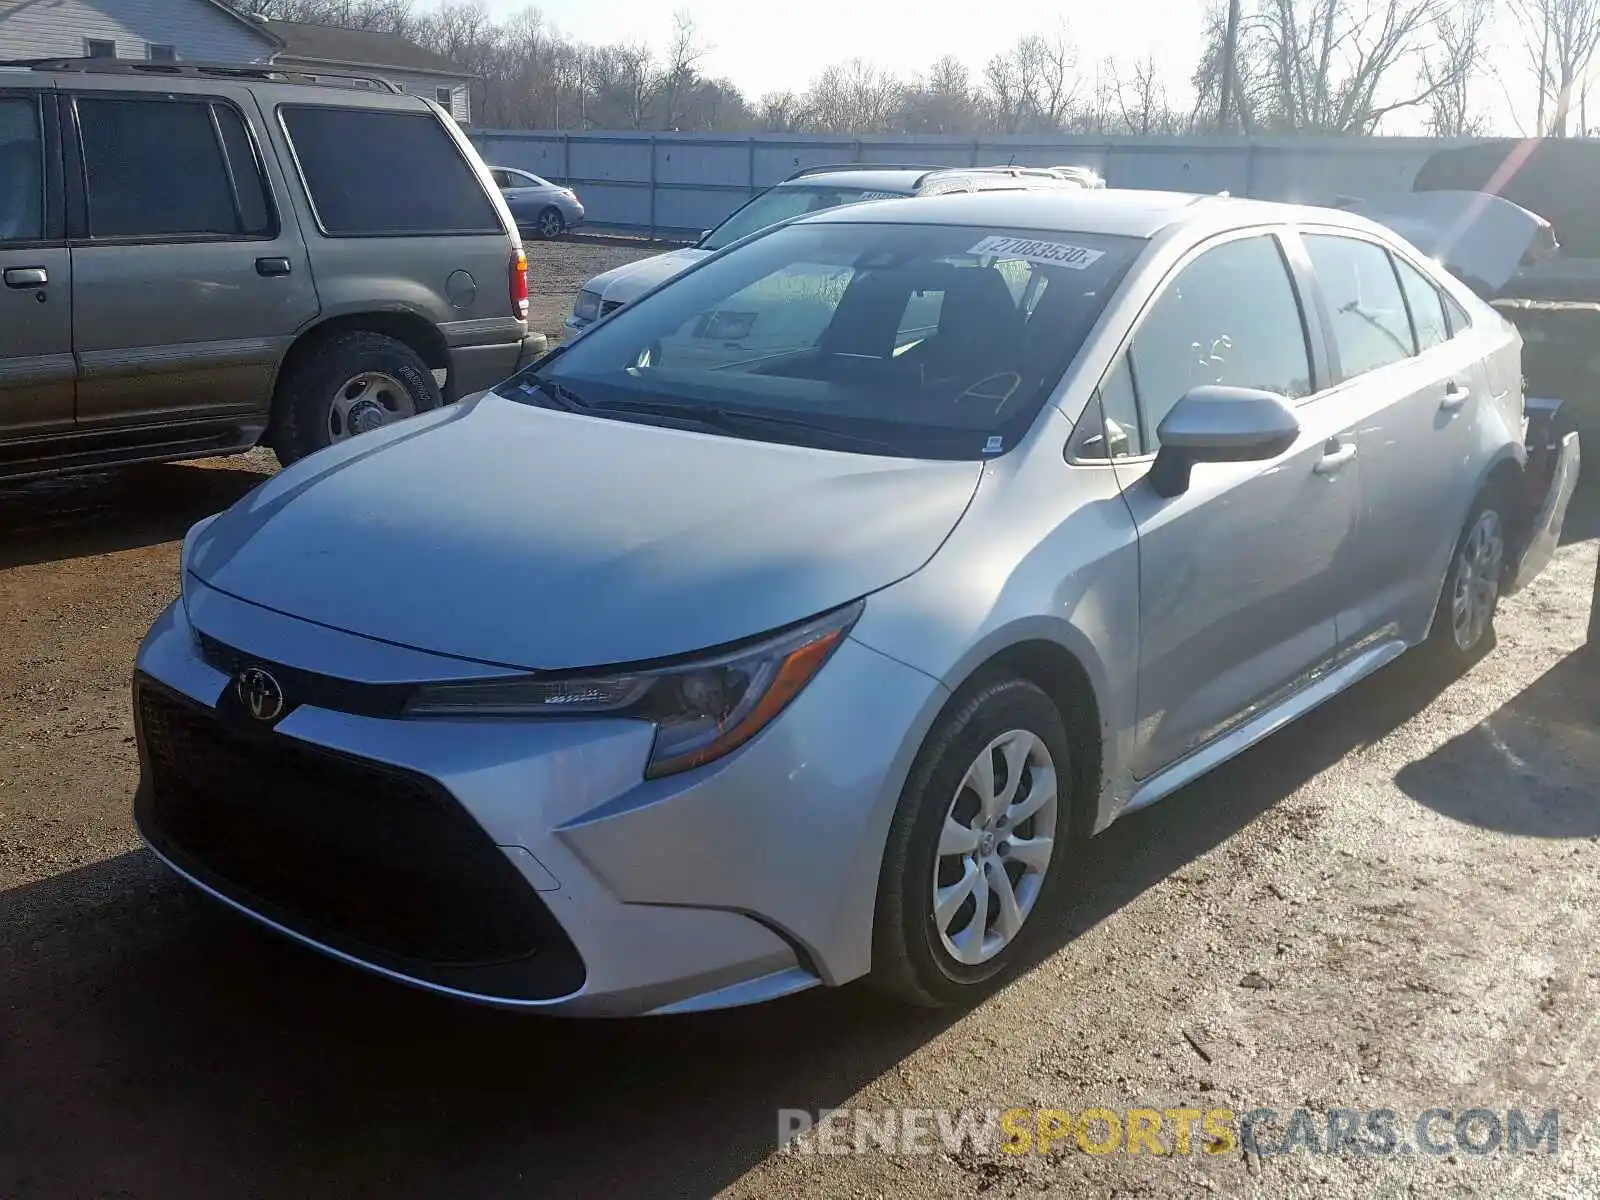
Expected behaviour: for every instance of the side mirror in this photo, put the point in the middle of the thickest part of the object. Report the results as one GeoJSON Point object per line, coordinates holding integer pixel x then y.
{"type": "Point", "coordinates": [1220, 424]}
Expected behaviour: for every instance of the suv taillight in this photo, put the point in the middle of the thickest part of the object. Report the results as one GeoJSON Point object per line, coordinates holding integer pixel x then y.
{"type": "Point", "coordinates": [519, 285]}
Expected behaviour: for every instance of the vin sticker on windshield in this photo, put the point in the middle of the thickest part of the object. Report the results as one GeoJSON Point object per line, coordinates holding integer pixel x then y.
{"type": "Point", "coordinates": [1051, 254]}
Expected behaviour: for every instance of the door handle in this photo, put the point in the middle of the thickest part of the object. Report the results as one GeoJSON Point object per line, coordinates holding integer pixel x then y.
{"type": "Point", "coordinates": [1335, 457]}
{"type": "Point", "coordinates": [26, 277]}
{"type": "Point", "coordinates": [1454, 396]}
{"type": "Point", "coordinates": [272, 266]}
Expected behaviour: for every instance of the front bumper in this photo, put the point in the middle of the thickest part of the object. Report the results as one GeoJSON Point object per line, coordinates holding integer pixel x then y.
{"type": "Point", "coordinates": [1554, 461]}
{"type": "Point", "coordinates": [525, 864]}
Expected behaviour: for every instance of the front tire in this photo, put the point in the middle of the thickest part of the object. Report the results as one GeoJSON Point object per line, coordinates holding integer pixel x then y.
{"type": "Point", "coordinates": [975, 849]}
{"type": "Point", "coordinates": [550, 225]}
{"type": "Point", "coordinates": [349, 385]}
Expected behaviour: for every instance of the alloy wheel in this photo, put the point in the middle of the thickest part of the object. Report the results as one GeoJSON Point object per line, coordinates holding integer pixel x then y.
{"type": "Point", "coordinates": [995, 847]}
{"type": "Point", "coordinates": [366, 402]}
{"type": "Point", "coordinates": [1477, 580]}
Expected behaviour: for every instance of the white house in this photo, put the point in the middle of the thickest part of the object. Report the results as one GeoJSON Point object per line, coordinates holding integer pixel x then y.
{"type": "Point", "coordinates": [210, 31]}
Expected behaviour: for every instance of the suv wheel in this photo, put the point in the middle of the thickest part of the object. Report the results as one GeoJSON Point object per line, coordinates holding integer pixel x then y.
{"type": "Point", "coordinates": [976, 849]}
{"type": "Point", "coordinates": [550, 224]}
{"type": "Point", "coordinates": [349, 385]}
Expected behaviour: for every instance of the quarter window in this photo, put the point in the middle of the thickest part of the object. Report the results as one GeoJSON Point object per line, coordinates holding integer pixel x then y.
{"type": "Point", "coordinates": [21, 172]}
{"type": "Point", "coordinates": [1365, 307]}
{"type": "Point", "coordinates": [1229, 317]}
{"type": "Point", "coordinates": [1426, 305]}
{"type": "Point", "coordinates": [373, 174]}
{"type": "Point", "coordinates": [1459, 321]}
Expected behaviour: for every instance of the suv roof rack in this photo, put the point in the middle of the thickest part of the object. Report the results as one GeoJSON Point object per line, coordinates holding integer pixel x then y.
{"type": "Point", "coordinates": [264, 72]}
{"type": "Point", "coordinates": [824, 168]}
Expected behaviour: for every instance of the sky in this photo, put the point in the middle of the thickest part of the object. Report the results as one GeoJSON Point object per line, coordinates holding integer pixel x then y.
{"type": "Point", "coordinates": [777, 45]}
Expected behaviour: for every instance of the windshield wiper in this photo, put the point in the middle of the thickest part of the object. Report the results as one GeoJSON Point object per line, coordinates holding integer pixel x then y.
{"type": "Point", "coordinates": [737, 420]}
{"type": "Point", "coordinates": [561, 396]}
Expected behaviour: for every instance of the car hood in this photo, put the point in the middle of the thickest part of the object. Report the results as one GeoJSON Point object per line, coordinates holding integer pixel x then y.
{"type": "Point", "coordinates": [517, 535]}
{"type": "Point", "coordinates": [1475, 235]}
{"type": "Point", "coordinates": [628, 282]}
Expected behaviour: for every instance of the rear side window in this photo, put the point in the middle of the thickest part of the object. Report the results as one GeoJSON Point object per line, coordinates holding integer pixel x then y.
{"type": "Point", "coordinates": [1426, 305]}
{"type": "Point", "coordinates": [1459, 321]}
{"type": "Point", "coordinates": [1365, 307]}
{"type": "Point", "coordinates": [21, 172]}
{"type": "Point", "coordinates": [169, 168]}
{"type": "Point", "coordinates": [375, 174]}
{"type": "Point", "coordinates": [1230, 316]}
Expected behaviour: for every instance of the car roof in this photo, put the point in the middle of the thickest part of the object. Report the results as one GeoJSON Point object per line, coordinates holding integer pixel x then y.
{"type": "Point", "coordinates": [888, 179]}
{"type": "Point", "coordinates": [1119, 212]}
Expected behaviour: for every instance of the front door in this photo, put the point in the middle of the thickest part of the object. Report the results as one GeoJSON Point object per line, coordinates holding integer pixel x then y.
{"type": "Point", "coordinates": [190, 282]}
{"type": "Point", "coordinates": [36, 365]}
{"type": "Point", "coordinates": [1240, 576]}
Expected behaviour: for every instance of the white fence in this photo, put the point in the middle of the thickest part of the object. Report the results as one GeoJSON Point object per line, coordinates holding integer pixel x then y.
{"type": "Point", "coordinates": [672, 185]}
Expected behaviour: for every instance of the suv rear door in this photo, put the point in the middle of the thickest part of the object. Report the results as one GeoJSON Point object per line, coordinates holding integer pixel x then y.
{"type": "Point", "coordinates": [190, 282]}
{"type": "Point", "coordinates": [36, 365]}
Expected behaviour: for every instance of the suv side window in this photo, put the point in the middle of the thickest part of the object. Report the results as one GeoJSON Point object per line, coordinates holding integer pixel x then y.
{"type": "Point", "coordinates": [1230, 316]}
{"type": "Point", "coordinates": [21, 171]}
{"type": "Point", "coordinates": [170, 168]}
{"type": "Point", "coordinates": [1365, 308]}
{"type": "Point", "coordinates": [1426, 305]}
{"type": "Point", "coordinates": [372, 173]}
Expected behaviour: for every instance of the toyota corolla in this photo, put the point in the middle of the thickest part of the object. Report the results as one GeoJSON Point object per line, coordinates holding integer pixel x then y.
{"type": "Point", "coordinates": [802, 620]}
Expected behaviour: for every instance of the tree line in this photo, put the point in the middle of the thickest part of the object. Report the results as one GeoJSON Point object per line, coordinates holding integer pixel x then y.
{"type": "Point", "coordinates": [1262, 66]}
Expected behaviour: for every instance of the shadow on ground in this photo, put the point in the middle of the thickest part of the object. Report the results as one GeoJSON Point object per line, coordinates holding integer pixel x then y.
{"type": "Point", "coordinates": [97, 512]}
{"type": "Point", "coordinates": [158, 1047]}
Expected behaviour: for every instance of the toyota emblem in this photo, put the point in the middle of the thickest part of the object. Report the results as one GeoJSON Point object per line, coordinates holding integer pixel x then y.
{"type": "Point", "coordinates": [260, 693]}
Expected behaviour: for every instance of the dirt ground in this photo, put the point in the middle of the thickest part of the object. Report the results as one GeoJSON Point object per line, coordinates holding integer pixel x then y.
{"type": "Point", "coordinates": [556, 270]}
{"type": "Point", "coordinates": [1393, 903]}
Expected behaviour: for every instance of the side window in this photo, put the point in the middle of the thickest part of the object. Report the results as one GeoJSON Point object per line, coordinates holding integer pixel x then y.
{"type": "Point", "coordinates": [1229, 317]}
{"type": "Point", "coordinates": [1459, 321]}
{"type": "Point", "coordinates": [155, 168]}
{"type": "Point", "coordinates": [372, 173]}
{"type": "Point", "coordinates": [21, 172]}
{"type": "Point", "coordinates": [1426, 305]}
{"type": "Point", "coordinates": [1367, 312]}
{"type": "Point", "coordinates": [1119, 411]}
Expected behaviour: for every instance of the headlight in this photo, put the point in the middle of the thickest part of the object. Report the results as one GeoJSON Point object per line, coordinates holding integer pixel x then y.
{"type": "Point", "coordinates": [588, 306]}
{"type": "Point", "coordinates": [702, 710]}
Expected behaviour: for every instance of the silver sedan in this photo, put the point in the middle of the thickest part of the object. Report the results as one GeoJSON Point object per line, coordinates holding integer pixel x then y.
{"type": "Point", "coordinates": [803, 620]}
{"type": "Point", "coordinates": [537, 205]}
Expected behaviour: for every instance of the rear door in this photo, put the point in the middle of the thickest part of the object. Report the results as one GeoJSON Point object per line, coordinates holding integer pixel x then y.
{"type": "Point", "coordinates": [1416, 411]}
{"type": "Point", "coordinates": [36, 365]}
{"type": "Point", "coordinates": [1239, 577]}
{"type": "Point", "coordinates": [190, 280]}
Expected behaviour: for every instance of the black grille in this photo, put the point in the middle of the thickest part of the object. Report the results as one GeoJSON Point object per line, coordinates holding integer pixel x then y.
{"type": "Point", "coordinates": [309, 687]}
{"type": "Point", "coordinates": [377, 862]}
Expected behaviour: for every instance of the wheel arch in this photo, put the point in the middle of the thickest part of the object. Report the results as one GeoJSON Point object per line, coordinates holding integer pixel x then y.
{"type": "Point", "coordinates": [402, 324]}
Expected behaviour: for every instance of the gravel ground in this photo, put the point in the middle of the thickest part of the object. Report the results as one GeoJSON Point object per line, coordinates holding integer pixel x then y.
{"type": "Point", "coordinates": [556, 270]}
{"type": "Point", "coordinates": [1393, 903]}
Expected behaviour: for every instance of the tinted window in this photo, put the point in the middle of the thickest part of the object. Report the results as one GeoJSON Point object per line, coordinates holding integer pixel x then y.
{"type": "Point", "coordinates": [1426, 305]}
{"type": "Point", "coordinates": [374, 173]}
{"type": "Point", "coordinates": [1370, 326]}
{"type": "Point", "coordinates": [21, 172]}
{"type": "Point", "coordinates": [782, 203]}
{"type": "Point", "coordinates": [895, 339]}
{"type": "Point", "coordinates": [154, 169]}
{"type": "Point", "coordinates": [255, 213]}
{"type": "Point", "coordinates": [1229, 317]}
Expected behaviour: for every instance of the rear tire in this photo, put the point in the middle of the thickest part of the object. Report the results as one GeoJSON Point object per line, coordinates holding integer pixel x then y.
{"type": "Point", "coordinates": [960, 900]}
{"type": "Point", "coordinates": [1463, 624]}
{"type": "Point", "coordinates": [347, 385]}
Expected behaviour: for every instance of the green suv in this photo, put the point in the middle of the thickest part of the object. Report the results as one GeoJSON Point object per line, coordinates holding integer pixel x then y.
{"type": "Point", "coordinates": [197, 260]}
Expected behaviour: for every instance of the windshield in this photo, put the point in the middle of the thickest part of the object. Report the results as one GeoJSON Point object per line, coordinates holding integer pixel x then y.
{"type": "Point", "coordinates": [922, 341]}
{"type": "Point", "coordinates": [785, 201]}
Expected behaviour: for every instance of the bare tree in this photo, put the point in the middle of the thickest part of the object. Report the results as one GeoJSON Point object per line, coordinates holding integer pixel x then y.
{"type": "Point", "coordinates": [853, 97]}
{"type": "Point", "coordinates": [679, 75]}
{"type": "Point", "coordinates": [1560, 38]}
{"type": "Point", "coordinates": [780, 112]}
{"type": "Point", "coordinates": [1450, 67]}
{"type": "Point", "coordinates": [1141, 98]}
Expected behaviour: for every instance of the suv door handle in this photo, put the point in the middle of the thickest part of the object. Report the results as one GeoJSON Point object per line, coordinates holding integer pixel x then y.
{"type": "Point", "coordinates": [1334, 457]}
{"type": "Point", "coordinates": [1454, 396]}
{"type": "Point", "coordinates": [26, 277]}
{"type": "Point", "coordinates": [272, 266]}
